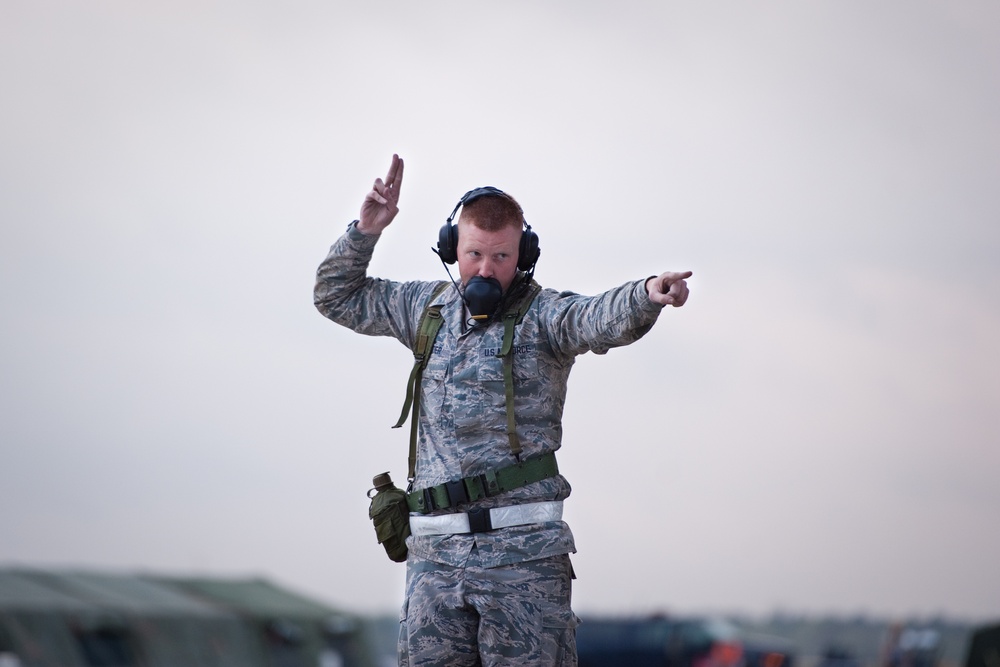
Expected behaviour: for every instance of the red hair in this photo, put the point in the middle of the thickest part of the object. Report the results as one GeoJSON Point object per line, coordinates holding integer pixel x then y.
{"type": "Point", "coordinates": [491, 213]}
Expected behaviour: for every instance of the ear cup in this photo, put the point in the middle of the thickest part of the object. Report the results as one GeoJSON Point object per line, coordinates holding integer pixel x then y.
{"type": "Point", "coordinates": [528, 251]}
{"type": "Point", "coordinates": [448, 243]}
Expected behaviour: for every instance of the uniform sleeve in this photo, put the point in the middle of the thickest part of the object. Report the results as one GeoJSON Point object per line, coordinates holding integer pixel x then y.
{"type": "Point", "coordinates": [346, 294]}
{"type": "Point", "coordinates": [576, 324]}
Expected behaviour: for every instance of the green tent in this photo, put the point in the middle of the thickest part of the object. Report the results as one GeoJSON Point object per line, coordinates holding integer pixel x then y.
{"type": "Point", "coordinates": [87, 619]}
{"type": "Point", "coordinates": [76, 619]}
{"type": "Point", "coordinates": [294, 631]}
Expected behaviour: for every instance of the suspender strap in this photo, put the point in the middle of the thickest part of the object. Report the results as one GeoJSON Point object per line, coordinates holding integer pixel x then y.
{"type": "Point", "coordinates": [427, 331]}
{"type": "Point", "coordinates": [476, 487]}
{"type": "Point", "coordinates": [511, 318]}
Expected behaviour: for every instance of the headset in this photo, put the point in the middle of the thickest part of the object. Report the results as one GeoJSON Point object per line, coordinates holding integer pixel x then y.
{"type": "Point", "coordinates": [527, 251]}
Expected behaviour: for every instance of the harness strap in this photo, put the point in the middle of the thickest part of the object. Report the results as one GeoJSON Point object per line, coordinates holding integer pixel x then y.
{"type": "Point", "coordinates": [508, 383]}
{"type": "Point", "coordinates": [511, 319]}
{"type": "Point", "coordinates": [427, 330]}
{"type": "Point", "coordinates": [476, 487]}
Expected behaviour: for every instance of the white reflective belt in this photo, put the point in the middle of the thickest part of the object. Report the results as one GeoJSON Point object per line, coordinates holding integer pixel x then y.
{"type": "Point", "coordinates": [500, 517]}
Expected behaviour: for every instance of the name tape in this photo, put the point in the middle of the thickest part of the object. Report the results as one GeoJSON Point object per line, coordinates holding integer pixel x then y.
{"type": "Point", "coordinates": [516, 349]}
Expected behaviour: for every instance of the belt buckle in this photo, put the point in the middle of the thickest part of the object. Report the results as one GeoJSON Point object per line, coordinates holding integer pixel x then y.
{"type": "Point", "coordinates": [456, 492]}
{"type": "Point", "coordinates": [428, 498]}
{"type": "Point", "coordinates": [479, 520]}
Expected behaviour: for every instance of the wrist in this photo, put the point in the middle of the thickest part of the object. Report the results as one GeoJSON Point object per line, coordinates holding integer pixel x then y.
{"type": "Point", "coordinates": [367, 229]}
{"type": "Point", "coordinates": [646, 284]}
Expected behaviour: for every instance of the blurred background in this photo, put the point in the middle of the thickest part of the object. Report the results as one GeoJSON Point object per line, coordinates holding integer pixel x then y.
{"type": "Point", "coordinates": [815, 433]}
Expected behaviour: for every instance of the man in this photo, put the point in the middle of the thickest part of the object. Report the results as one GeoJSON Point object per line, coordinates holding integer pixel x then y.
{"type": "Point", "coordinates": [488, 573]}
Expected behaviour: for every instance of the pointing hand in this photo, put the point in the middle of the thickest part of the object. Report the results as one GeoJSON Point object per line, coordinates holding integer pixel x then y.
{"type": "Point", "coordinates": [669, 289]}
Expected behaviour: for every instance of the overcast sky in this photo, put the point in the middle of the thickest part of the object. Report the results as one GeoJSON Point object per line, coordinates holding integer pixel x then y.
{"type": "Point", "coordinates": [817, 431]}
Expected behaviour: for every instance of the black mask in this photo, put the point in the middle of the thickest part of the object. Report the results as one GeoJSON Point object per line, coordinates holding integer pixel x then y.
{"type": "Point", "coordinates": [482, 296]}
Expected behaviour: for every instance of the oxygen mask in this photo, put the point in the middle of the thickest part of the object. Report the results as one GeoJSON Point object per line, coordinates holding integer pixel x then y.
{"type": "Point", "coordinates": [482, 296]}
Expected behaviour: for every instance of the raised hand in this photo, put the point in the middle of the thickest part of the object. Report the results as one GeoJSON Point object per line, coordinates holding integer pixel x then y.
{"type": "Point", "coordinates": [382, 203]}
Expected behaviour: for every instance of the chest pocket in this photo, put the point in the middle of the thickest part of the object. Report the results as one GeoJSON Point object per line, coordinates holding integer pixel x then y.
{"type": "Point", "coordinates": [434, 397]}
{"type": "Point", "coordinates": [525, 362]}
{"type": "Point", "coordinates": [441, 354]}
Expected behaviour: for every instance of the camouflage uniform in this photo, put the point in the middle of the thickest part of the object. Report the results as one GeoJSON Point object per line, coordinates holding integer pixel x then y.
{"type": "Point", "coordinates": [462, 423]}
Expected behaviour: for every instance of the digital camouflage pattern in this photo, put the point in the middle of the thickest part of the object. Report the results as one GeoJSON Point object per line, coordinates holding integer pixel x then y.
{"type": "Point", "coordinates": [500, 597]}
{"type": "Point", "coordinates": [511, 615]}
{"type": "Point", "coordinates": [463, 406]}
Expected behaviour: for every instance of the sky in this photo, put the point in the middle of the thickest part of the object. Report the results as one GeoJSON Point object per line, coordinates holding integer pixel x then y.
{"type": "Point", "coordinates": [815, 432]}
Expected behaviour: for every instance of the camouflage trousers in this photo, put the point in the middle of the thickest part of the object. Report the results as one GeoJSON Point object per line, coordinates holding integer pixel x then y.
{"type": "Point", "coordinates": [472, 616]}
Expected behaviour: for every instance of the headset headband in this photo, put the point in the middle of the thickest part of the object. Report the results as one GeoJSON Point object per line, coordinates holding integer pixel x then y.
{"type": "Point", "coordinates": [476, 193]}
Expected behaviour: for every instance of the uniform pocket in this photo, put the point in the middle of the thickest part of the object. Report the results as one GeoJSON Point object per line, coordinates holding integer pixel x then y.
{"type": "Point", "coordinates": [435, 377]}
{"type": "Point", "coordinates": [402, 647]}
{"type": "Point", "coordinates": [566, 620]}
{"type": "Point", "coordinates": [560, 629]}
{"type": "Point", "coordinates": [432, 397]}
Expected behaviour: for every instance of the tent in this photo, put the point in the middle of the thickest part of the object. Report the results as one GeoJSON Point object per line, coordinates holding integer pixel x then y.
{"type": "Point", "coordinates": [88, 619]}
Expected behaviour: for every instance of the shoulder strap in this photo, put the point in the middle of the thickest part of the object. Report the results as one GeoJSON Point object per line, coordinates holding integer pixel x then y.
{"type": "Point", "coordinates": [427, 330]}
{"type": "Point", "coordinates": [515, 313]}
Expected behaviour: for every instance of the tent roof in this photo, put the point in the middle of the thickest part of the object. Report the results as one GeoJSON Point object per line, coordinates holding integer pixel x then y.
{"type": "Point", "coordinates": [20, 591]}
{"type": "Point", "coordinates": [255, 597]}
{"type": "Point", "coordinates": [27, 589]}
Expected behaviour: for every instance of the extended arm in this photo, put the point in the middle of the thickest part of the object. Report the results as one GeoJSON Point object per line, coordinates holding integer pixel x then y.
{"type": "Point", "coordinates": [620, 316]}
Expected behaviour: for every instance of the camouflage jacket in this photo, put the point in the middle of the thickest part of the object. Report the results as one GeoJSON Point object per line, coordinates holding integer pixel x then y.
{"type": "Point", "coordinates": [463, 418]}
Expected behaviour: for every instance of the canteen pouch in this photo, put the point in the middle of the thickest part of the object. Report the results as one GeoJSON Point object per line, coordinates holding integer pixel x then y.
{"type": "Point", "coordinates": [391, 517]}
